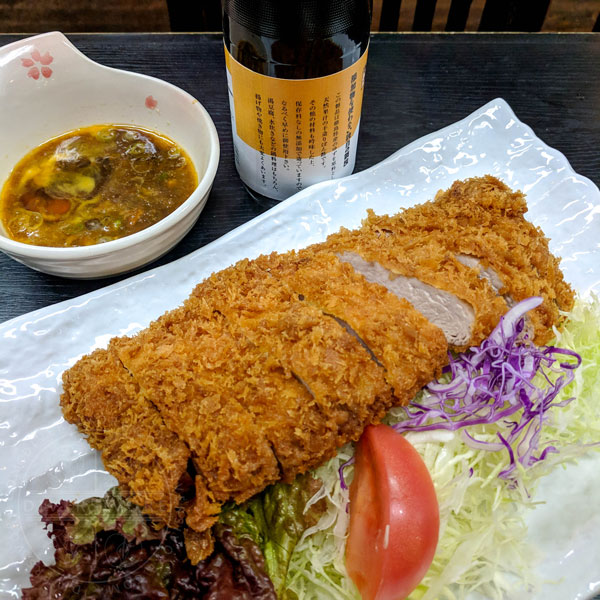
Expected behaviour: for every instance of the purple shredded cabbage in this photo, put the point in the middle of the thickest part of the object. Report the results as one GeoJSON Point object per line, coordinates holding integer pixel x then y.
{"type": "Point", "coordinates": [343, 483]}
{"type": "Point", "coordinates": [495, 382]}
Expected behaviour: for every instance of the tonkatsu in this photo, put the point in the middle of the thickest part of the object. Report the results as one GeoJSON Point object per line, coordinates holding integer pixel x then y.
{"type": "Point", "coordinates": [274, 363]}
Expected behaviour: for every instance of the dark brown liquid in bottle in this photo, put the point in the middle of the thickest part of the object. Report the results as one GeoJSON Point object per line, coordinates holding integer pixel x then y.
{"type": "Point", "coordinates": [296, 39]}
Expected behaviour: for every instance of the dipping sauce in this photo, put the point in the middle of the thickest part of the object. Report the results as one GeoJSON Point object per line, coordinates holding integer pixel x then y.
{"type": "Point", "coordinates": [94, 185]}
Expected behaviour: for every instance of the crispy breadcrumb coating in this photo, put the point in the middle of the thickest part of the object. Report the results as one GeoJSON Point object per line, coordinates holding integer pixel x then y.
{"type": "Point", "coordinates": [189, 380]}
{"type": "Point", "coordinates": [347, 385]}
{"type": "Point", "coordinates": [105, 403]}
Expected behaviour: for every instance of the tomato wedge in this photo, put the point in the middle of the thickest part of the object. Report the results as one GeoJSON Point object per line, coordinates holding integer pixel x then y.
{"type": "Point", "coordinates": [394, 516]}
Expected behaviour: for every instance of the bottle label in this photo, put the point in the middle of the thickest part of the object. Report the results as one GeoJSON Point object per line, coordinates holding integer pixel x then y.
{"type": "Point", "coordinates": [291, 133]}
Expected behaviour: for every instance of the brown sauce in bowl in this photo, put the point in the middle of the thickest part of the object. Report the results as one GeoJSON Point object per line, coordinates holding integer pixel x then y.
{"type": "Point", "coordinates": [94, 185]}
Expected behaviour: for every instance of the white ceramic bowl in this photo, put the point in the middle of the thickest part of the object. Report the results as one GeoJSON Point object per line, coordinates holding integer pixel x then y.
{"type": "Point", "coordinates": [48, 87]}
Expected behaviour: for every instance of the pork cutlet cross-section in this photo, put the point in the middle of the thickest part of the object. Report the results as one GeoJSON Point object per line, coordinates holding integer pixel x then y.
{"type": "Point", "coordinates": [482, 220]}
{"type": "Point", "coordinates": [450, 294]}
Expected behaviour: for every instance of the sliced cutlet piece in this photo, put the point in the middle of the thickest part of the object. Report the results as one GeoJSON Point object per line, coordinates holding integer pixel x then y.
{"type": "Point", "coordinates": [483, 219]}
{"type": "Point", "coordinates": [403, 341]}
{"type": "Point", "coordinates": [282, 407]}
{"type": "Point", "coordinates": [188, 366]}
{"type": "Point", "coordinates": [294, 421]}
{"type": "Point", "coordinates": [450, 294]}
{"type": "Point", "coordinates": [149, 461]}
{"type": "Point", "coordinates": [348, 386]}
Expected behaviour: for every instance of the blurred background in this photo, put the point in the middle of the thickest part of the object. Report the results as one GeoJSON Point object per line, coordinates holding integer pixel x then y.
{"type": "Point", "coordinates": [34, 16]}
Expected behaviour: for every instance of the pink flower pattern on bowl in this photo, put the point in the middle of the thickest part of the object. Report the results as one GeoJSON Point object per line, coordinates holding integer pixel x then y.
{"type": "Point", "coordinates": [37, 57]}
{"type": "Point", "coordinates": [151, 103]}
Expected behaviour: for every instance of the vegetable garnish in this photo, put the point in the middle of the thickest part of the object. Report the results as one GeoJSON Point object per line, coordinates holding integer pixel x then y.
{"type": "Point", "coordinates": [483, 544]}
{"type": "Point", "coordinates": [394, 516]}
{"type": "Point", "coordinates": [105, 548]}
{"type": "Point", "coordinates": [275, 521]}
{"type": "Point", "coordinates": [506, 376]}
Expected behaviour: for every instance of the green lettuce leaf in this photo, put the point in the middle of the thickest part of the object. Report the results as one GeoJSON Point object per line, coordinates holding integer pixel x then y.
{"type": "Point", "coordinates": [276, 521]}
{"type": "Point", "coordinates": [109, 513]}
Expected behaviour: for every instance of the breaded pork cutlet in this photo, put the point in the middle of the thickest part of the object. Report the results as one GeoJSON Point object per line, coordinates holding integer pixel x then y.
{"type": "Point", "coordinates": [295, 422]}
{"type": "Point", "coordinates": [188, 379]}
{"type": "Point", "coordinates": [408, 346]}
{"type": "Point", "coordinates": [483, 219]}
{"type": "Point", "coordinates": [226, 398]}
{"type": "Point", "coordinates": [149, 460]}
{"type": "Point", "coordinates": [231, 392]}
{"type": "Point", "coordinates": [273, 364]}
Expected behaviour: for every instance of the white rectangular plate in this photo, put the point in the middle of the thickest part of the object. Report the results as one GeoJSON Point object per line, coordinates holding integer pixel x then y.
{"type": "Point", "coordinates": [42, 456]}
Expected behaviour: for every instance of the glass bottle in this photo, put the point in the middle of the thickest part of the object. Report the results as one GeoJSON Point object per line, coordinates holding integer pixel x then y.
{"type": "Point", "coordinates": [295, 72]}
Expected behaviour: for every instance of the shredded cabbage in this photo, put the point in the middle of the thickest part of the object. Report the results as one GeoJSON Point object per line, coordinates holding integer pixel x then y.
{"type": "Point", "coordinates": [482, 547]}
{"type": "Point", "coordinates": [316, 570]}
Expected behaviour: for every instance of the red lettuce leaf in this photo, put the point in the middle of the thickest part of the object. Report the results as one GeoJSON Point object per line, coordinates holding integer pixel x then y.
{"type": "Point", "coordinates": [104, 548]}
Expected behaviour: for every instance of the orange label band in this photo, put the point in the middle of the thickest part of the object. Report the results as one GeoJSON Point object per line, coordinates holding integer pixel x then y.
{"type": "Point", "coordinates": [297, 118]}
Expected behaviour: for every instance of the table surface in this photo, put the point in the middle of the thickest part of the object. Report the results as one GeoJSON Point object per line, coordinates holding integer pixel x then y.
{"type": "Point", "coordinates": [416, 84]}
